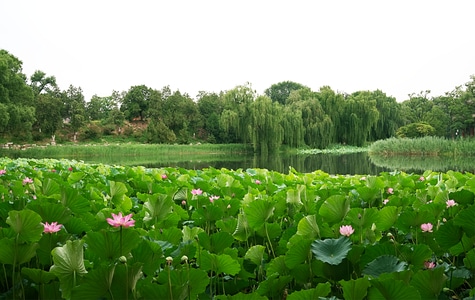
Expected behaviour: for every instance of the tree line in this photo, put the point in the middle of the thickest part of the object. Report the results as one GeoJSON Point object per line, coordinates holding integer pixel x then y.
{"type": "Point", "coordinates": [287, 113]}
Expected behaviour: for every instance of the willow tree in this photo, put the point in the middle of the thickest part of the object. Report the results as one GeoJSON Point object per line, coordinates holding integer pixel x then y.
{"type": "Point", "coordinates": [266, 129]}
{"type": "Point", "coordinates": [292, 125]}
{"type": "Point", "coordinates": [361, 115]}
{"type": "Point", "coordinates": [390, 116]}
{"type": "Point", "coordinates": [318, 125]}
{"type": "Point", "coordinates": [236, 116]}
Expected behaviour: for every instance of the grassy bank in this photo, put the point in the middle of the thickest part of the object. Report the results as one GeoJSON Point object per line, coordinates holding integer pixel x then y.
{"type": "Point", "coordinates": [425, 146]}
{"type": "Point", "coordinates": [123, 150]}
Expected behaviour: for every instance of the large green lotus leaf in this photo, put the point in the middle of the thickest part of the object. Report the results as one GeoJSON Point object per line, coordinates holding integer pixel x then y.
{"type": "Point", "coordinates": [26, 224]}
{"type": "Point", "coordinates": [293, 195]}
{"type": "Point", "coordinates": [221, 263]}
{"type": "Point", "coordinates": [469, 260]}
{"type": "Point", "coordinates": [150, 254]}
{"type": "Point", "coordinates": [50, 188]}
{"type": "Point", "coordinates": [384, 264]}
{"type": "Point", "coordinates": [277, 266]}
{"type": "Point", "coordinates": [448, 235]}
{"type": "Point", "coordinates": [13, 253]}
{"type": "Point", "coordinates": [298, 253]}
{"type": "Point", "coordinates": [81, 225]}
{"type": "Point", "coordinates": [355, 289]}
{"type": "Point", "coordinates": [256, 254]}
{"type": "Point", "coordinates": [228, 224]}
{"type": "Point", "coordinates": [156, 206]}
{"type": "Point", "coordinates": [368, 194]}
{"type": "Point", "coordinates": [209, 213]}
{"type": "Point", "coordinates": [392, 289]}
{"type": "Point", "coordinates": [220, 241]}
{"type": "Point", "coordinates": [463, 197]}
{"type": "Point", "coordinates": [38, 276]}
{"type": "Point", "coordinates": [270, 230]}
{"type": "Point", "coordinates": [96, 283]}
{"type": "Point", "coordinates": [173, 235]}
{"type": "Point", "coordinates": [125, 279]}
{"type": "Point", "coordinates": [75, 177]}
{"type": "Point", "coordinates": [331, 251]}
{"type": "Point", "coordinates": [429, 283]}
{"type": "Point", "coordinates": [321, 290]}
{"type": "Point", "coordinates": [466, 220]}
{"type": "Point", "coordinates": [68, 265]}
{"type": "Point", "coordinates": [274, 285]}
{"type": "Point", "coordinates": [465, 245]}
{"type": "Point", "coordinates": [416, 254]}
{"type": "Point", "coordinates": [387, 216]}
{"type": "Point", "coordinates": [51, 212]}
{"type": "Point", "coordinates": [258, 212]}
{"type": "Point", "coordinates": [243, 231]}
{"type": "Point", "coordinates": [334, 209]}
{"type": "Point", "coordinates": [106, 244]}
{"type": "Point", "coordinates": [362, 218]}
{"type": "Point", "coordinates": [72, 199]}
{"type": "Point", "coordinates": [118, 195]}
{"type": "Point", "coordinates": [308, 227]}
{"type": "Point", "coordinates": [190, 233]}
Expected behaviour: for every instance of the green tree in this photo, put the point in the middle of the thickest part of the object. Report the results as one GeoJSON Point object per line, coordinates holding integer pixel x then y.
{"type": "Point", "coordinates": [40, 83]}
{"type": "Point", "coordinates": [236, 117]}
{"type": "Point", "coordinates": [267, 132]}
{"type": "Point", "coordinates": [279, 92]}
{"type": "Point", "coordinates": [415, 130]}
{"type": "Point", "coordinates": [210, 106]}
{"type": "Point", "coordinates": [361, 115]}
{"type": "Point", "coordinates": [16, 97]}
{"type": "Point", "coordinates": [136, 102]}
{"type": "Point", "coordinates": [74, 108]}
{"type": "Point", "coordinates": [390, 118]}
{"type": "Point", "coordinates": [48, 114]}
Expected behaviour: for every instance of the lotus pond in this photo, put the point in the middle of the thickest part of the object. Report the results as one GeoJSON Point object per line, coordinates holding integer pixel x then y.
{"type": "Point", "coordinates": [71, 230]}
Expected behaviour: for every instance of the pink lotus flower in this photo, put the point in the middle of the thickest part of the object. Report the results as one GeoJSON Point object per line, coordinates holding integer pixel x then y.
{"type": "Point", "coordinates": [51, 228]}
{"type": "Point", "coordinates": [429, 264]}
{"type": "Point", "coordinates": [390, 191]}
{"type": "Point", "coordinates": [164, 176]}
{"type": "Point", "coordinates": [385, 201]}
{"type": "Point", "coordinates": [3, 172]}
{"type": "Point", "coordinates": [363, 178]}
{"type": "Point", "coordinates": [450, 203]}
{"type": "Point", "coordinates": [183, 202]}
{"type": "Point", "coordinates": [70, 168]}
{"type": "Point", "coordinates": [196, 192]}
{"type": "Point", "coordinates": [53, 170]}
{"type": "Point", "coordinates": [346, 230]}
{"type": "Point", "coordinates": [422, 178]}
{"type": "Point", "coordinates": [27, 180]}
{"type": "Point", "coordinates": [119, 220]}
{"type": "Point", "coordinates": [212, 198]}
{"type": "Point", "coordinates": [426, 227]}
{"type": "Point", "coordinates": [258, 181]}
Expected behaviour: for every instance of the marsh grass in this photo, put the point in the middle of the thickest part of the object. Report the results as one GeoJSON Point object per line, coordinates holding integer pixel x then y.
{"type": "Point", "coordinates": [425, 146]}
{"type": "Point", "coordinates": [125, 150]}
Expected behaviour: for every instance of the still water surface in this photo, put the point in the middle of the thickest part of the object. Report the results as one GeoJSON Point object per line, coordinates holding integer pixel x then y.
{"type": "Point", "coordinates": [355, 163]}
{"type": "Point", "coordinates": [344, 164]}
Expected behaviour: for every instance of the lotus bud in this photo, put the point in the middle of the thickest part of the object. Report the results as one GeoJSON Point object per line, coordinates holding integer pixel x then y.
{"type": "Point", "coordinates": [184, 258]}
{"type": "Point", "coordinates": [169, 260]}
{"type": "Point", "coordinates": [123, 259]}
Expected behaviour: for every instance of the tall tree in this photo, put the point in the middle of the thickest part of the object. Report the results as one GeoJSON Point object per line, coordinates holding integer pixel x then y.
{"type": "Point", "coordinates": [40, 83]}
{"type": "Point", "coordinates": [266, 129]}
{"type": "Point", "coordinates": [74, 108]}
{"type": "Point", "coordinates": [136, 102]}
{"type": "Point", "coordinates": [279, 92]}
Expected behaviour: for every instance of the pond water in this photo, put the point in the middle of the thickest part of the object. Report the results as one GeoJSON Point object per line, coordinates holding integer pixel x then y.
{"type": "Point", "coordinates": [354, 163]}
{"type": "Point", "coordinates": [344, 164]}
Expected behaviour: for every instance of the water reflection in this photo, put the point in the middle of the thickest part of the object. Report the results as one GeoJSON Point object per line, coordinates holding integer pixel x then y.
{"type": "Point", "coordinates": [354, 163]}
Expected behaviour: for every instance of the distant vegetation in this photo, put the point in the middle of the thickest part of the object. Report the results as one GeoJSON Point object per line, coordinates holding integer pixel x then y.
{"type": "Point", "coordinates": [287, 115]}
{"type": "Point", "coordinates": [426, 146]}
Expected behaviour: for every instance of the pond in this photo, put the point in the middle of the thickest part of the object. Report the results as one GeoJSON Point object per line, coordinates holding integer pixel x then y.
{"type": "Point", "coordinates": [344, 164]}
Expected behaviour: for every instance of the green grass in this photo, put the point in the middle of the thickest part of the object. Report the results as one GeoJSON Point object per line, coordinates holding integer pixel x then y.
{"type": "Point", "coordinates": [425, 146]}
{"type": "Point", "coordinates": [124, 150]}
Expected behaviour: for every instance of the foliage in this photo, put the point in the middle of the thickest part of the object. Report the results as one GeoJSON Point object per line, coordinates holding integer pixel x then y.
{"type": "Point", "coordinates": [265, 235]}
{"type": "Point", "coordinates": [415, 130]}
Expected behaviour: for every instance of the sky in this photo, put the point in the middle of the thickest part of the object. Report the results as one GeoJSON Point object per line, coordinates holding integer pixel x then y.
{"type": "Point", "coordinates": [399, 47]}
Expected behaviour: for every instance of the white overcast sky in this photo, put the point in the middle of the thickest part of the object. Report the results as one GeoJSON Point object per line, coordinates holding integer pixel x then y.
{"type": "Point", "coordinates": [399, 47]}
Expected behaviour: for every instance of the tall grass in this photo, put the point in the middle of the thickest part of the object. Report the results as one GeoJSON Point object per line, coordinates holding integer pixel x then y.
{"type": "Point", "coordinates": [427, 146]}
{"type": "Point", "coordinates": [123, 150]}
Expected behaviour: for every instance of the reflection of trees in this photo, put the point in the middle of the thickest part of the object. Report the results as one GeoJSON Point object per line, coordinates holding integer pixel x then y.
{"type": "Point", "coordinates": [422, 163]}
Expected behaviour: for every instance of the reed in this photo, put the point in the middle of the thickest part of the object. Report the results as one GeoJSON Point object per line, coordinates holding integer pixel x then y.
{"type": "Point", "coordinates": [424, 146]}
{"type": "Point", "coordinates": [124, 150]}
